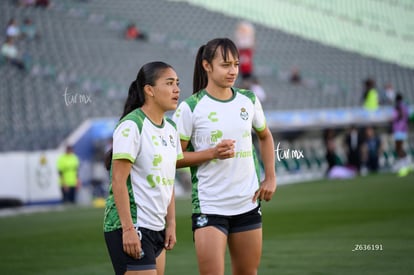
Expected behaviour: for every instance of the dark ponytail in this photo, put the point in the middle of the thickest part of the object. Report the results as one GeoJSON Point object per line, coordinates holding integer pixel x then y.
{"type": "Point", "coordinates": [148, 74]}
{"type": "Point", "coordinates": [208, 52]}
{"type": "Point", "coordinates": [134, 100]}
{"type": "Point", "coordinates": [108, 159]}
{"type": "Point", "coordinates": [200, 79]}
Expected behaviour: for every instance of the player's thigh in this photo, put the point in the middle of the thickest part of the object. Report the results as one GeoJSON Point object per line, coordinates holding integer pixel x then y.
{"type": "Point", "coordinates": [210, 244]}
{"type": "Point", "coordinates": [161, 263]}
{"type": "Point", "coordinates": [245, 251]}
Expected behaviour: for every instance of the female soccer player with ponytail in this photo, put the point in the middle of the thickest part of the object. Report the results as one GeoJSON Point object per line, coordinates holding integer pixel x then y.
{"type": "Point", "coordinates": [215, 126]}
{"type": "Point", "coordinates": [139, 222]}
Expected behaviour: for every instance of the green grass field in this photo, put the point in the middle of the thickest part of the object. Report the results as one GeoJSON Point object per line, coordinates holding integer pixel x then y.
{"type": "Point", "coordinates": [309, 228]}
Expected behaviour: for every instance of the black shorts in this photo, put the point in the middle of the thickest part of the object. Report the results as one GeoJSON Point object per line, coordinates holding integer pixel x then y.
{"type": "Point", "coordinates": [152, 243]}
{"type": "Point", "coordinates": [229, 224]}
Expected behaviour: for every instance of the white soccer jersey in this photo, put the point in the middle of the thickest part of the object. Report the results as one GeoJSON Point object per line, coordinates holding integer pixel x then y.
{"type": "Point", "coordinates": [153, 150]}
{"type": "Point", "coordinates": [227, 186]}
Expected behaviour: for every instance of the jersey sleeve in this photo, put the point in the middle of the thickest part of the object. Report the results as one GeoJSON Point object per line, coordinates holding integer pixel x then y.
{"type": "Point", "coordinates": [183, 120]}
{"type": "Point", "coordinates": [126, 141]}
{"type": "Point", "coordinates": [259, 119]}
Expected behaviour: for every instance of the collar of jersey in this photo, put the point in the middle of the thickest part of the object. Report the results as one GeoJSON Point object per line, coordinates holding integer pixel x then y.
{"type": "Point", "coordinates": [156, 125]}
{"type": "Point", "coordinates": [219, 100]}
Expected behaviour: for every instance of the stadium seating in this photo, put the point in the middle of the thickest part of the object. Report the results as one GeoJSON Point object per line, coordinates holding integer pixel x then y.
{"type": "Point", "coordinates": [82, 51]}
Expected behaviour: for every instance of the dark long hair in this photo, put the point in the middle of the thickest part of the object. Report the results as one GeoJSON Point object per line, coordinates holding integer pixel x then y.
{"type": "Point", "coordinates": [147, 75]}
{"type": "Point", "coordinates": [207, 52]}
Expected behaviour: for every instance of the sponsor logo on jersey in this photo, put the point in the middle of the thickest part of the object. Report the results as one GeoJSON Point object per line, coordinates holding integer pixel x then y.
{"type": "Point", "coordinates": [246, 134]}
{"type": "Point", "coordinates": [125, 132]}
{"type": "Point", "coordinates": [153, 180]}
{"type": "Point", "coordinates": [243, 154]}
{"type": "Point", "coordinates": [157, 160]}
{"type": "Point", "coordinates": [154, 140]}
{"type": "Point", "coordinates": [215, 136]}
{"type": "Point", "coordinates": [212, 117]}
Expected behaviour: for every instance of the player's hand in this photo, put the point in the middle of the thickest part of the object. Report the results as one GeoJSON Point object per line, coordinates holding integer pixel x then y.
{"type": "Point", "coordinates": [266, 190]}
{"type": "Point", "coordinates": [225, 149]}
{"type": "Point", "coordinates": [132, 244]}
{"type": "Point", "coordinates": [170, 238]}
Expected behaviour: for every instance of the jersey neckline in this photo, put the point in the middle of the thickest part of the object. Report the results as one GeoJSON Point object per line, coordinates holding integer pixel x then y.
{"type": "Point", "coordinates": [156, 125]}
{"type": "Point", "coordinates": [219, 100]}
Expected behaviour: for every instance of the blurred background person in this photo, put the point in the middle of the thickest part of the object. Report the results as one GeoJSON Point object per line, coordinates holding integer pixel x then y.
{"type": "Point", "coordinates": [331, 156]}
{"type": "Point", "coordinates": [132, 32]}
{"type": "Point", "coordinates": [371, 150]}
{"type": "Point", "coordinates": [68, 165]}
{"type": "Point", "coordinates": [29, 29]}
{"type": "Point", "coordinates": [26, 3]}
{"type": "Point", "coordinates": [295, 77]}
{"type": "Point", "coordinates": [43, 3]}
{"type": "Point", "coordinates": [245, 42]}
{"type": "Point", "coordinates": [13, 29]}
{"type": "Point", "coordinates": [10, 53]}
{"type": "Point", "coordinates": [353, 144]}
{"type": "Point", "coordinates": [370, 96]}
{"type": "Point", "coordinates": [336, 168]}
{"type": "Point", "coordinates": [388, 97]}
{"type": "Point", "coordinates": [400, 131]}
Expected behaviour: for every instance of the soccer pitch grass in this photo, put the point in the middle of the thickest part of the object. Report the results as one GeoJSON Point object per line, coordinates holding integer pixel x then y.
{"type": "Point", "coordinates": [308, 228]}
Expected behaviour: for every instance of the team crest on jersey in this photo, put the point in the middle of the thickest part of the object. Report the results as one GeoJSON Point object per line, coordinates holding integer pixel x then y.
{"type": "Point", "coordinates": [244, 114]}
{"type": "Point", "coordinates": [172, 141]}
{"type": "Point", "coordinates": [164, 142]}
{"type": "Point", "coordinates": [202, 221]}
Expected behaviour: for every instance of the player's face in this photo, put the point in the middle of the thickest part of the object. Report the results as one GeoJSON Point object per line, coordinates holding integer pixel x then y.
{"type": "Point", "coordinates": [224, 72]}
{"type": "Point", "coordinates": [166, 90]}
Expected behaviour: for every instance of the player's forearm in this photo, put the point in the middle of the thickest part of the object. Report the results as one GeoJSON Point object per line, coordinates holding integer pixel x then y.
{"type": "Point", "coordinates": [170, 218]}
{"type": "Point", "coordinates": [120, 174]}
{"type": "Point", "coordinates": [267, 152]}
{"type": "Point", "coordinates": [122, 203]}
{"type": "Point", "coordinates": [195, 158]}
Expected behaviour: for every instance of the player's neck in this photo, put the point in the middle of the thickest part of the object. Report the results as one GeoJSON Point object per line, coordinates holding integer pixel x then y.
{"type": "Point", "coordinates": [155, 115]}
{"type": "Point", "coordinates": [220, 93]}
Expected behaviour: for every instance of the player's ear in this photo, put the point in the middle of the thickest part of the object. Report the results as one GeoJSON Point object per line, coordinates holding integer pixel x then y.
{"type": "Point", "coordinates": [149, 90]}
{"type": "Point", "coordinates": [206, 66]}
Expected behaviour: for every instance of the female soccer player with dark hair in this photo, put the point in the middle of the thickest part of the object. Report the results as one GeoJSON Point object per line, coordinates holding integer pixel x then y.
{"type": "Point", "coordinates": [215, 126]}
{"type": "Point", "coordinates": [139, 221]}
